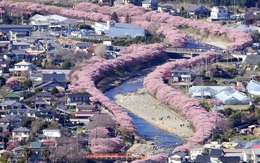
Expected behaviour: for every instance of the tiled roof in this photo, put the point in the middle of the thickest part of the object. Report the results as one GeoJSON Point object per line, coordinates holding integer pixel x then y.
{"type": "Point", "coordinates": [57, 77]}
{"type": "Point", "coordinates": [252, 59]}
{"type": "Point", "coordinates": [21, 129]}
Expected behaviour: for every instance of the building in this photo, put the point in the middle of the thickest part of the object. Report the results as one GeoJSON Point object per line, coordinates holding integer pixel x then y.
{"type": "Point", "coordinates": [83, 45]}
{"type": "Point", "coordinates": [20, 30]}
{"type": "Point", "coordinates": [23, 66]}
{"type": "Point", "coordinates": [113, 29]}
{"type": "Point", "coordinates": [78, 97]}
{"type": "Point", "coordinates": [21, 133]}
{"type": "Point", "coordinates": [150, 4]}
{"type": "Point", "coordinates": [52, 133]}
{"type": "Point", "coordinates": [226, 94]}
{"type": "Point", "coordinates": [219, 13]}
{"type": "Point", "coordinates": [198, 11]}
{"type": "Point", "coordinates": [253, 88]}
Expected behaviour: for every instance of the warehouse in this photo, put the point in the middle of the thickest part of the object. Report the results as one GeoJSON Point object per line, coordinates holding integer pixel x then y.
{"type": "Point", "coordinates": [113, 29]}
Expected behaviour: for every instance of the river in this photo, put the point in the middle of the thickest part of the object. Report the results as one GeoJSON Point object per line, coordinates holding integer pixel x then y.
{"type": "Point", "coordinates": [161, 138]}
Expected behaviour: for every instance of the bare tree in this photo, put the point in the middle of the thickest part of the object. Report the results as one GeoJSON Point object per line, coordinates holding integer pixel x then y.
{"type": "Point", "coordinates": [100, 50]}
{"type": "Point", "coordinates": [69, 153]}
{"type": "Point", "coordinates": [101, 120]}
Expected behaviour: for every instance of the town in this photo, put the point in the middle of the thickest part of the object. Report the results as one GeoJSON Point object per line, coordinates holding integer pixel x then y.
{"type": "Point", "coordinates": [58, 60]}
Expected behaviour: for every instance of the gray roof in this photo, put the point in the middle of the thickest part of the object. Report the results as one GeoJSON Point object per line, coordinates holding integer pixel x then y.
{"type": "Point", "coordinates": [252, 59]}
{"type": "Point", "coordinates": [43, 94]}
{"type": "Point", "coordinates": [11, 117]}
{"type": "Point", "coordinates": [15, 26]}
{"type": "Point", "coordinates": [230, 159]}
{"type": "Point", "coordinates": [203, 159]}
{"type": "Point", "coordinates": [84, 44]}
{"type": "Point", "coordinates": [86, 94]}
{"type": "Point", "coordinates": [58, 77]}
{"type": "Point", "coordinates": [221, 8]}
{"type": "Point", "coordinates": [197, 8]}
{"type": "Point", "coordinates": [8, 103]}
{"type": "Point", "coordinates": [216, 153]}
{"type": "Point", "coordinates": [21, 129]}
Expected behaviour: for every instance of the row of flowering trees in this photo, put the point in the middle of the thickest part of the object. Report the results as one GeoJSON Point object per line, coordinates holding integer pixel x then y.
{"type": "Point", "coordinates": [160, 23]}
{"type": "Point", "coordinates": [202, 120]}
{"type": "Point", "coordinates": [84, 76]}
{"type": "Point", "coordinates": [83, 79]}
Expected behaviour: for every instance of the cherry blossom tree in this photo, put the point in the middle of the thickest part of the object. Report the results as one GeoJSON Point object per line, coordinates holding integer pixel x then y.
{"type": "Point", "coordinates": [12, 82]}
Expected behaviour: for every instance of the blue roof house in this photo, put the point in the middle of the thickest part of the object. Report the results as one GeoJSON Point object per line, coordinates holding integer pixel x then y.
{"type": "Point", "coordinates": [253, 87]}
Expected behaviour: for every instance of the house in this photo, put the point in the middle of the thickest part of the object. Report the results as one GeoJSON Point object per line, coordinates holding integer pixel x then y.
{"type": "Point", "coordinates": [215, 154]}
{"type": "Point", "coordinates": [253, 88]}
{"type": "Point", "coordinates": [150, 4]}
{"type": "Point", "coordinates": [177, 157]}
{"type": "Point", "coordinates": [20, 45]}
{"type": "Point", "coordinates": [78, 97]}
{"type": "Point", "coordinates": [52, 133]}
{"type": "Point", "coordinates": [12, 120]}
{"type": "Point", "coordinates": [21, 133]}
{"type": "Point", "coordinates": [18, 153]}
{"type": "Point", "coordinates": [91, 50]}
{"type": "Point", "coordinates": [47, 114]}
{"type": "Point", "coordinates": [36, 76]}
{"type": "Point", "coordinates": [217, 108]}
{"type": "Point", "coordinates": [198, 11]}
{"type": "Point", "coordinates": [181, 74]}
{"type": "Point", "coordinates": [21, 30]}
{"type": "Point", "coordinates": [135, 2]}
{"type": "Point", "coordinates": [83, 45]}
{"type": "Point", "coordinates": [44, 96]}
{"type": "Point", "coordinates": [167, 9]}
{"type": "Point", "coordinates": [86, 111]}
{"type": "Point", "coordinates": [230, 159]}
{"type": "Point", "coordinates": [194, 152]}
{"type": "Point", "coordinates": [252, 59]}
{"type": "Point", "coordinates": [113, 29]}
{"type": "Point", "coordinates": [8, 104]}
{"type": "Point", "coordinates": [23, 66]}
{"type": "Point", "coordinates": [242, 80]}
{"type": "Point", "coordinates": [219, 13]}
{"type": "Point", "coordinates": [203, 158]}
{"type": "Point", "coordinates": [234, 152]}
{"type": "Point", "coordinates": [50, 80]}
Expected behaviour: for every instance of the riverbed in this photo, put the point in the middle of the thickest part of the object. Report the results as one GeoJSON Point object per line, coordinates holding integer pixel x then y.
{"type": "Point", "coordinates": [163, 140]}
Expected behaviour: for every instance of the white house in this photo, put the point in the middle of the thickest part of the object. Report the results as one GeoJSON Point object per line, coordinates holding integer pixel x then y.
{"type": "Point", "coordinates": [113, 29]}
{"type": "Point", "coordinates": [52, 133]}
{"type": "Point", "coordinates": [23, 66]}
{"type": "Point", "coordinates": [177, 157]}
{"type": "Point", "coordinates": [219, 13]}
{"type": "Point", "coordinates": [194, 152]}
{"type": "Point", "coordinates": [21, 133]}
{"type": "Point", "coordinates": [253, 87]}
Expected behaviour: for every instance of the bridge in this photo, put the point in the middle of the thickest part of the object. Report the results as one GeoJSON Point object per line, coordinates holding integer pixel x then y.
{"type": "Point", "coordinates": [187, 52]}
{"type": "Point", "coordinates": [114, 157]}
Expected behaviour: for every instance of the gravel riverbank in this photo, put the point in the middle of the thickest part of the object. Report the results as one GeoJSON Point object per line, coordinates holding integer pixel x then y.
{"type": "Point", "coordinates": [148, 108]}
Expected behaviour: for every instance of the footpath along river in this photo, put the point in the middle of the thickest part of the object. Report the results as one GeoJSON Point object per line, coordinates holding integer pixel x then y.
{"type": "Point", "coordinates": [163, 140]}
